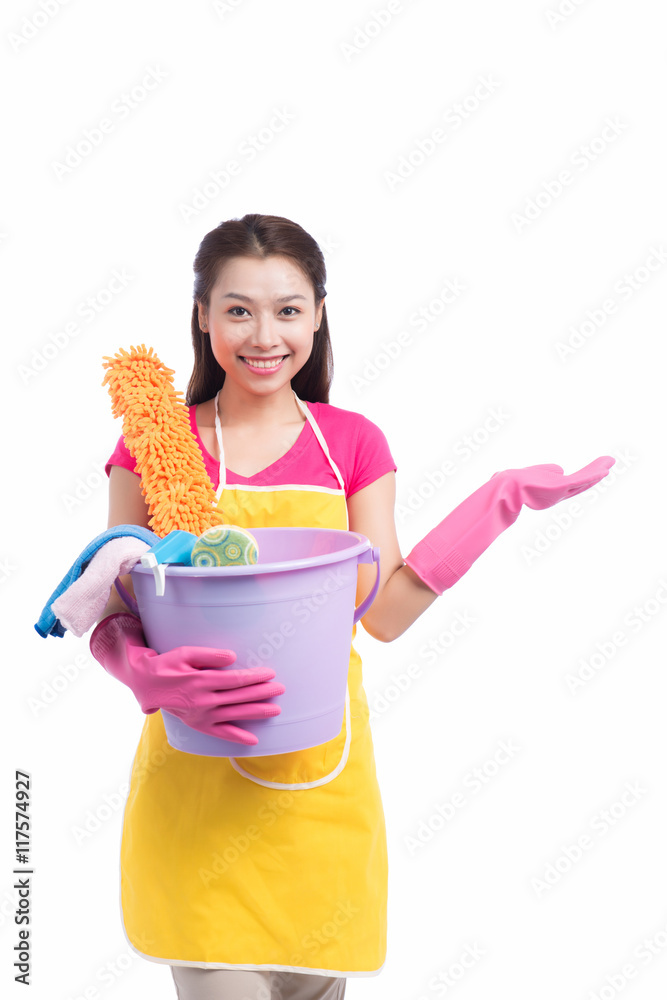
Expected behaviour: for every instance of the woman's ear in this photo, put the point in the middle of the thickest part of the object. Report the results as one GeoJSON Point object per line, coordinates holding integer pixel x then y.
{"type": "Point", "coordinates": [318, 313]}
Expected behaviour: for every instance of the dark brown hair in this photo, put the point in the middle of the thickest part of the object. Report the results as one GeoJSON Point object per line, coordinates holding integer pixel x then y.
{"type": "Point", "coordinates": [259, 236]}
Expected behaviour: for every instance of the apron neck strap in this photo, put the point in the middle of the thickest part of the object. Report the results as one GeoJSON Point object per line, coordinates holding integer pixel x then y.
{"type": "Point", "coordinates": [311, 420]}
{"type": "Point", "coordinates": [320, 437]}
{"type": "Point", "coordinates": [218, 433]}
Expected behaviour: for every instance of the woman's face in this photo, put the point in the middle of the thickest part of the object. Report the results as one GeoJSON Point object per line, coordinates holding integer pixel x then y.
{"type": "Point", "coordinates": [261, 319]}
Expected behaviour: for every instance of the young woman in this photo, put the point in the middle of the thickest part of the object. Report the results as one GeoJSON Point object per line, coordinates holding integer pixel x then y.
{"type": "Point", "coordinates": [267, 876]}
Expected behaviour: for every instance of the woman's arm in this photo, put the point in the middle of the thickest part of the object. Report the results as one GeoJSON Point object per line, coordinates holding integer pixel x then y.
{"type": "Point", "coordinates": [127, 505]}
{"type": "Point", "coordinates": [452, 546]}
{"type": "Point", "coordinates": [402, 597]}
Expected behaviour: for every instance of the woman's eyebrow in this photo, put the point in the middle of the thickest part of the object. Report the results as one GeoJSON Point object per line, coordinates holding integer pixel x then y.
{"type": "Point", "coordinates": [246, 298]}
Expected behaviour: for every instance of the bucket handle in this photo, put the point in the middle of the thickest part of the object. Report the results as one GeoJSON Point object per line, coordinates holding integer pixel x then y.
{"type": "Point", "coordinates": [126, 597]}
{"type": "Point", "coordinates": [368, 556]}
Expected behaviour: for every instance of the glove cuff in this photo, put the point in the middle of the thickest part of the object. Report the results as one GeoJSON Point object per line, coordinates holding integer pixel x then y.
{"type": "Point", "coordinates": [107, 632]}
{"type": "Point", "coordinates": [449, 550]}
{"type": "Point", "coordinates": [438, 570]}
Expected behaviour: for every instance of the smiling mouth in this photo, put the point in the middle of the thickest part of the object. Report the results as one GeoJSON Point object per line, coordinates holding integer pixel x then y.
{"type": "Point", "coordinates": [265, 362]}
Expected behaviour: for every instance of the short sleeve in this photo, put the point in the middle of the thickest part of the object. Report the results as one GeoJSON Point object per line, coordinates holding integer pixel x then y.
{"type": "Point", "coordinates": [121, 456]}
{"type": "Point", "coordinates": [121, 453]}
{"type": "Point", "coordinates": [371, 458]}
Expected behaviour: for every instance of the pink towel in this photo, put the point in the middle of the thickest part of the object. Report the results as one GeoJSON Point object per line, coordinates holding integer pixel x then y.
{"type": "Point", "coordinates": [80, 606]}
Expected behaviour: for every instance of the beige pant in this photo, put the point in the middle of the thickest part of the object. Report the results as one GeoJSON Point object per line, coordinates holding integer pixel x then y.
{"type": "Point", "coordinates": [193, 983]}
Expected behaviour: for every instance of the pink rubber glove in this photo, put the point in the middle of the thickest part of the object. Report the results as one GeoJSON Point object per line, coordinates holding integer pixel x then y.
{"type": "Point", "coordinates": [450, 549]}
{"type": "Point", "coordinates": [187, 681]}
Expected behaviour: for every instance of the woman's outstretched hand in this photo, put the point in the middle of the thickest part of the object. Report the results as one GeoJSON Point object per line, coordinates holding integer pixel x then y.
{"type": "Point", "coordinates": [541, 486]}
{"type": "Point", "coordinates": [187, 681]}
{"type": "Point", "coordinates": [450, 549]}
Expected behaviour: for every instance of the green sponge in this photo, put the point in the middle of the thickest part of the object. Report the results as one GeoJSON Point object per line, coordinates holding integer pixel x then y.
{"type": "Point", "coordinates": [224, 545]}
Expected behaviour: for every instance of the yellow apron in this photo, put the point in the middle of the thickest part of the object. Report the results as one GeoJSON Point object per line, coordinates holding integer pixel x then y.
{"type": "Point", "coordinates": [275, 862]}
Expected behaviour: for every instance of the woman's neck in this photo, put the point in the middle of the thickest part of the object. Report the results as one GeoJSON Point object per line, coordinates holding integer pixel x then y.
{"type": "Point", "coordinates": [237, 407]}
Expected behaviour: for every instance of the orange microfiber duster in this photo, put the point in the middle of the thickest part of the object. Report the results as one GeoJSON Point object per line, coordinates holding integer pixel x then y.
{"type": "Point", "coordinates": [157, 431]}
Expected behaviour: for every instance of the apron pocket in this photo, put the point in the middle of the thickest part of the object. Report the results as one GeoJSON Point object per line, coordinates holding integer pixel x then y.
{"type": "Point", "coordinates": [301, 768]}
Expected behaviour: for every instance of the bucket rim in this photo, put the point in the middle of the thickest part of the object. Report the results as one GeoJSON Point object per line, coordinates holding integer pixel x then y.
{"type": "Point", "coordinates": [284, 566]}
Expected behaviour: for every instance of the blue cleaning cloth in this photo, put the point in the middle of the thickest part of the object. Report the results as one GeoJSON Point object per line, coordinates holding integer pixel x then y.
{"type": "Point", "coordinates": [48, 623]}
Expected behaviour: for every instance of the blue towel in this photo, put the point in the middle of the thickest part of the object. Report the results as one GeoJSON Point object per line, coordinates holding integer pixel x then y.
{"type": "Point", "coordinates": [48, 624]}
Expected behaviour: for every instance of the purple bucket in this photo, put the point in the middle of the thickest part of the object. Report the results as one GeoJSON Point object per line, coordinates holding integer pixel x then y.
{"type": "Point", "coordinates": [294, 610]}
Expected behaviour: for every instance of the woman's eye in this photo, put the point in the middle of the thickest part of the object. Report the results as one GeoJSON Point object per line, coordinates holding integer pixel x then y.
{"type": "Point", "coordinates": [233, 310]}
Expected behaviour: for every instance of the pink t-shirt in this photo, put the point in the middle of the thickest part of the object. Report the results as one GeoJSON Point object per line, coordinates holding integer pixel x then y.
{"type": "Point", "coordinates": [356, 444]}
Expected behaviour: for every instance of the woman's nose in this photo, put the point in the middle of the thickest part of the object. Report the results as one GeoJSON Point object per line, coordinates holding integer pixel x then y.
{"type": "Point", "coordinates": [265, 334]}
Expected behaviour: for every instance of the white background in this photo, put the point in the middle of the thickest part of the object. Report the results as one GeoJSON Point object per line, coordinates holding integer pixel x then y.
{"type": "Point", "coordinates": [542, 598]}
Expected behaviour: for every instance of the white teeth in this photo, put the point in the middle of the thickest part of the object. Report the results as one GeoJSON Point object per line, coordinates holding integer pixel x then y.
{"type": "Point", "coordinates": [263, 364]}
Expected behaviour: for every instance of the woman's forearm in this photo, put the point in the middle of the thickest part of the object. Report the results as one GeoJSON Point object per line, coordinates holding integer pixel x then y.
{"type": "Point", "coordinates": [403, 599]}
{"type": "Point", "coordinates": [115, 604]}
